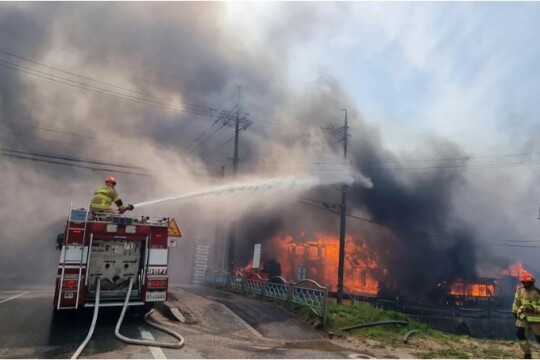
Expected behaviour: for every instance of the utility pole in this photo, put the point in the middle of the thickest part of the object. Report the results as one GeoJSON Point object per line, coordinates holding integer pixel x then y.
{"type": "Point", "coordinates": [219, 227]}
{"type": "Point", "coordinates": [232, 236]}
{"type": "Point", "coordinates": [342, 227]}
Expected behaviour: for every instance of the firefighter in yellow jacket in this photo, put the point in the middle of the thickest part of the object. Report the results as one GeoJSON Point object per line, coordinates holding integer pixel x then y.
{"type": "Point", "coordinates": [526, 309]}
{"type": "Point", "coordinates": [104, 196]}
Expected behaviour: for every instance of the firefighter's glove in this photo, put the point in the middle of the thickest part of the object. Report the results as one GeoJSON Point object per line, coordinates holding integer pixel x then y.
{"type": "Point", "coordinates": [122, 209]}
{"type": "Point", "coordinates": [520, 314]}
{"type": "Point", "coordinates": [130, 207]}
{"type": "Point", "coordinates": [528, 310]}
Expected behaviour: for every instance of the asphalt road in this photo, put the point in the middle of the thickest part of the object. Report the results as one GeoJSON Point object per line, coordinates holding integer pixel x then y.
{"type": "Point", "coordinates": [221, 326]}
{"type": "Point", "coordinates": [27, 329]}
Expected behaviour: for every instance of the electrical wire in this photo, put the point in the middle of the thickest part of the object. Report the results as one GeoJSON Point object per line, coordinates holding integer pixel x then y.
{"type": "Point", "coordinates": [58, 157]}
{"type": "Point", "coordinates": [108, 92]}
{"type": "Point", "coordinates": [227, 119]}
{"type": "Point", "coordinates": [143, 93]}
{"type": "Point", "coordinates": [22, 157]}
{"type": "Point", "coordinates": [223, 144]}
{"type": "Point", "coordinates": [194, 142]}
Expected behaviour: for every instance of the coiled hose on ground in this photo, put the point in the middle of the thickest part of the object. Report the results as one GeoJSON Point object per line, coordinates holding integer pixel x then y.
{"type": "Point", "coordinates": [178, 345]}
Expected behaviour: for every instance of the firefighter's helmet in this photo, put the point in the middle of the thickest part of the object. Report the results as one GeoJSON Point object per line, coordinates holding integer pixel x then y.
{"type": "Point", "coordinates": [526, 277]}
{"type": "Point", "coordinates": [111, 179]}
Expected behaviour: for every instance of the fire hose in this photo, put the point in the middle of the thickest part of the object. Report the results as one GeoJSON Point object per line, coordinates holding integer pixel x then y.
{"type": "Point", "coordinates": [93, 326]}
{"type": "Point", "coordinates": [180, 338]}
{"type": "Point", "coordinates": [377, 323]}
{"type": "Point", "coordinates": [178, 345]}
{"type": "Point", "coordinates": [408, 335]}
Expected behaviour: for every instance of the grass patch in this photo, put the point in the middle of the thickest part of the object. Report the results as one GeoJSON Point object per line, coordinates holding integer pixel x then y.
{"type": "Point", "coordinates": [433, 344]}
{"type": "Point", "coordinates": [495, 353]}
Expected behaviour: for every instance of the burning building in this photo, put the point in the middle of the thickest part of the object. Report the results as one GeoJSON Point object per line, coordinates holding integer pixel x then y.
{"type": "Point", "coordinates": [316, 257]}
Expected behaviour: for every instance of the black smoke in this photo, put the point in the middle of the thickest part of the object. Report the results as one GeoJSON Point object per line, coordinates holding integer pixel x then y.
{"type": "Point", "coordinates": [180, 52]}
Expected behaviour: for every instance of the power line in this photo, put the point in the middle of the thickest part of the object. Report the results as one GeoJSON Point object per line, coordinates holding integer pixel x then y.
{"type": "Point", "coordinates": [87, 54]}
{"type": "Point", "coordinates": [147, 95]}
{"type": "Point", "coordinates": [435, 169]}
{"type": "Point", "coordinates": [474, 157]}
{"type": "Point", "coordinates": [116, 141]}
{"type": "Point", "coordinates": [74, 165]}
{"type": "Point", "coordinates": [386, 225]}
{"type": "Point", "coordinates": [77, 84]}
{"type": "Point", "coordinates": [221, 145]}
{"type": "Point", "coordinates": [76, 75]}
{"type": "Point", "coordinates": [520, 246]}
{"type": "Point", "coordinates": [38, 138]}
{"type": "Point", "coordinates": [67, 158]}
{"type": "Point", "coordinates": [493, 197]}
{"type": "Point", "coordinates": [227, 119]}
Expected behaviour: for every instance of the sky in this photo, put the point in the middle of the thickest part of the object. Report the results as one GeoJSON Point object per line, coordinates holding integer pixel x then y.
{"type": "Point", "coordinates": [452, 69]}
{"type": "Point", "coordinates": [441, 101]}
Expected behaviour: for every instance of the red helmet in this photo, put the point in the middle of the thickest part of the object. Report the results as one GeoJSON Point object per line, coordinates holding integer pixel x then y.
{"type": "Point", "coordinates": [111, 179]}
{"type": "Point", "coordinates": [526, 277]}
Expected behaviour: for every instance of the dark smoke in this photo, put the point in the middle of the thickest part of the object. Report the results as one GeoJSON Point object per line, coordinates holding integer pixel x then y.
{"type": "Point", "coordinates": [183, 52]}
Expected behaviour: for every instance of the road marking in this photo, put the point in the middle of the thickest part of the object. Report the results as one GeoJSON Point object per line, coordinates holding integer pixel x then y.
{"type": "Point", "coordinates": [241, 321]}
{"type": "Point", "coordinates": [14, 297]}
{"type": "Point", "coordinates": [359, 356]}
{"type": "Point", "coordinates": [157, 353]}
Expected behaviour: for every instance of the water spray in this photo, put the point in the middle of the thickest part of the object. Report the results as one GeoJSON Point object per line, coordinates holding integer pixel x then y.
{"type": "Point", "coordinates": [273, 184]}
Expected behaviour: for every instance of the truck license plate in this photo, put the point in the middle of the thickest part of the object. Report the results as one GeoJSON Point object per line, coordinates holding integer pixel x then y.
{"type": "Point", "coordinates": [156, 295]}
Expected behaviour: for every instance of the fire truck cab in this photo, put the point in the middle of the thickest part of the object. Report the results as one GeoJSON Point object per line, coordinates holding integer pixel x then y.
{"type": "Point", "coordinates": [114, 248]}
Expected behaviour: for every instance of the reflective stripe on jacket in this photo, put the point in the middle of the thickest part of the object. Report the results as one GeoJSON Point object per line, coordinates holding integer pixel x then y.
{"type": "Point", "coordinates": [528, 297]}
{"type": "Point", "coordinates": [104, 196]}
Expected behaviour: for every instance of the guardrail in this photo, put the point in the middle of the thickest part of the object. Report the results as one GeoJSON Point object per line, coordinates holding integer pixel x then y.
{"type": "Point", "coordinates": [305, 293]}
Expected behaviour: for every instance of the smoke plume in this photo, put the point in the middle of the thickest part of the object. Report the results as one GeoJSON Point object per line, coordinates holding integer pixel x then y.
{"type": "Point", "coordinates": [149, 92]}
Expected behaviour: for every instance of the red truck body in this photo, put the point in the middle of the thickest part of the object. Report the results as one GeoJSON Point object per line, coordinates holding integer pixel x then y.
{"type": "Point", "coordinates": [113, 248]}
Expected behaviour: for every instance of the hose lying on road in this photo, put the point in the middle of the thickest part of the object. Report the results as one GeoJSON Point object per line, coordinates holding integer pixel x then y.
{"type": "Point", "coordinates": [92, 326]}
{"type": "Point", "coordinates": [388, 322]}
{"type": "Point", "coordinates": [178, 345]}
{"type": "Point", "coordinates": [408, 334]}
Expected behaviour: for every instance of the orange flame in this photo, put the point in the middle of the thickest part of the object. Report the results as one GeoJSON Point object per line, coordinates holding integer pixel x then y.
{"type": "Point", "coordinates": [317, 258]}
{"type": "Point", "coordinates": [514, 270]}
{"type": "Point", "coordinates": [480, 289]}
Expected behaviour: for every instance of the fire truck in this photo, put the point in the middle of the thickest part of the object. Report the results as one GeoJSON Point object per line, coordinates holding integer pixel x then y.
{"type": "Point", "coordinates": [117, 252]}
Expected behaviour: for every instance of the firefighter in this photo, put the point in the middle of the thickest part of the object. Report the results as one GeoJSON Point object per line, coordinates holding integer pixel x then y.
{"type": "Point", "coordinates": [526, 310]}
{"type": "Point", "coordinates": [104, 196]}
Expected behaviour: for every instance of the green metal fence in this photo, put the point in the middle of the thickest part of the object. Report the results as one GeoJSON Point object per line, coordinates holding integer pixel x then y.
{"type": "Point", "coordinates": [305, 293]}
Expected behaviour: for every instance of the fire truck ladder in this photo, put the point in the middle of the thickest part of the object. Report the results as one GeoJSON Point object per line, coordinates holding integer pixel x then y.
{"type": "Point", "coordinates": [180, 338]}
{"type": "Point", "coordinates": [81, 261]}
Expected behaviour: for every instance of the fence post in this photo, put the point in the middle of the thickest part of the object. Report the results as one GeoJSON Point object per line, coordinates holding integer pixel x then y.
{"type": "Point", "coordinates": [228, 281]}
{"type": "Point", "coordinates": [325, 310]}
{"type": "Point", "coordinates": [290, 287]}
